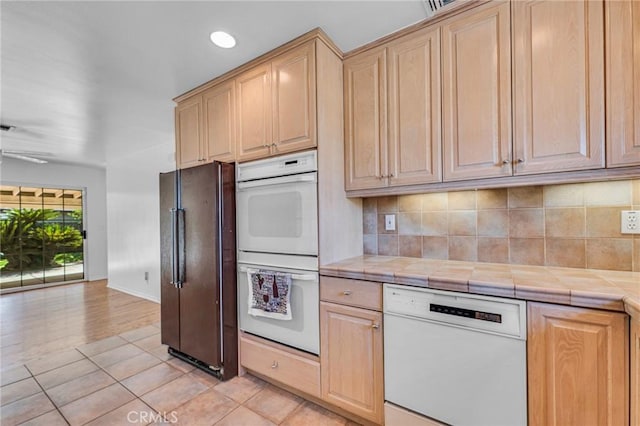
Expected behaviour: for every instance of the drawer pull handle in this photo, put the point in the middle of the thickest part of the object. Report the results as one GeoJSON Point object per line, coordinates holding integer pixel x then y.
{"type": "Point", "coordinates": [347, 292]}
{"type": "Point", "coordinates": [375, 325]}
{"type": "Point", "coordinates": [275, 364]}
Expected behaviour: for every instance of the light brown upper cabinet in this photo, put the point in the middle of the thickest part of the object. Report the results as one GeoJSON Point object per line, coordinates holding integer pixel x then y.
{"type": "Point", "coordinates": [294, 100]}
{"type": "Point", "coordinates": [414, 109]}
{"type": "Point", "coordinates": [476, 64]}
{"type": "Point", "coordinates": [577, 366]}
{"type": "Point", "coordinates": [392, 110]}
{"type": "Point", "coordinates": [219, 123]}
{"type": "Point", "coordinates": [189, 138]}
{"type": "Point", "coordinates": [277, 105]}
{"type": "Point", "coordinates": [254, 113]}
{"type": "Point", "coordinates": [622, 33]}
{"type": "Point", "coordinates": [365, 99]}
{"type": "Point", "coordinates": [205, 127]}
{"type": "Point", "coordinates": [558, 85]}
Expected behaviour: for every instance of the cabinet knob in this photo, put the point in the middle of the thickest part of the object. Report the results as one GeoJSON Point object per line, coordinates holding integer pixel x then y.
{"type": "Point", "coordinates": [375, 325]}
{"type": "Point", "coordinates": [266, 145]}
{"type": "Point", "coordinates": [520, 160]}
{"type": "Point", "coordinates": [505, 162]}
{"type": "Point", "coordinates": [274, 144]}
{"type": "Point", "coordinates": [275, 364]}
{"type": "Point", "coordinates": [347, 292]}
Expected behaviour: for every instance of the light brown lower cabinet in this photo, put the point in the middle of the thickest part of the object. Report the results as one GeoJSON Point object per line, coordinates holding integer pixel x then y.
{"type": "Point", "coordinates": [578, 366]}
{"type": "Point", "coordinates": [290, 367]}
{"type": "Point", "coordinates": [635, 372]}
{"type": "Point", "coordinates": [351, 360]}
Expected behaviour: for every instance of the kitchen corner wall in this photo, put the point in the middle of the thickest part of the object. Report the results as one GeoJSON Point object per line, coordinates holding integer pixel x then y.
{"type": "Point", "coordinates": [574, 225]}
{"type": "Point", "coordinates": [133, 207]}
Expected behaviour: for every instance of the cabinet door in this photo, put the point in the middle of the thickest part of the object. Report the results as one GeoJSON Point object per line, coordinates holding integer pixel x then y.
{"type": "Point", "coordinates": [351, 359]}
{"type": "Point", "coordinates": [189, 133]}
{"type": "Point", "coordinates": [294, 99]}
{"type": "Point", "coordinates": [477, 93]}
{"type": "Point", "coordinates": [219, 123]}
{"type": "Point", "coordinates": [622, 26]}
{"type": "Point", "coordinates": [635, 372]}
{"type": "Point", "coordinates": [365, 120]}
{"type": "Point", "coordinates": [414, 109]}
{"type": "Point", "coordinates": [577, 366]}
{"type": "Point", "coordinates": [253, 89]}
{"type": "Point", "coordinates": [558, 85]}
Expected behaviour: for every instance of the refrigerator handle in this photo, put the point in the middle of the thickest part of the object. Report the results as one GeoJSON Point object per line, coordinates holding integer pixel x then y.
{"type": "Point", "coordinates": [174, 248]}
{"type": "Point", "coordinates": [180, 248]}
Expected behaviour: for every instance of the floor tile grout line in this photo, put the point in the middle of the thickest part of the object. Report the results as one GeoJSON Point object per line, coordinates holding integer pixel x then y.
{"type": "Point", "coordinates": [136, 397]}
{"type": "Point", "coordinates": [285, 417]}
{"type": "Point", "coordinates": [296, 409]}
{"type": "Point", "coordinates": [60, 366]}
{"type": "Point", "coordinates": [116, 382]}
{"type": "Point", "coordinates": [55, 407]}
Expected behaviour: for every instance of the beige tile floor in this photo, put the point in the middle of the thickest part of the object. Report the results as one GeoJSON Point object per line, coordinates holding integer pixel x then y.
{"type": "Point", "coordinates": [130, 379]}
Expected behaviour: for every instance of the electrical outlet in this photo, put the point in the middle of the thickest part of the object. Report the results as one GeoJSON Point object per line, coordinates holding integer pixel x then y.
{"type": "Point", "coordinates": [630, 222]}
{"type": "Point", "coordinates": [390, 222]}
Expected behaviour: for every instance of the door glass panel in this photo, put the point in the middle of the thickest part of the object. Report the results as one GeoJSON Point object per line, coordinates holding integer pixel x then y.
{"type": "Point", "coordinates": [31, 219]}
{"type": "Point", "coordinates": [40, 236]}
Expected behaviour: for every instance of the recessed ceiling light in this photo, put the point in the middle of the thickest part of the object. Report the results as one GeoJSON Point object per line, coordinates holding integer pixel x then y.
{"type": "Point", "coordinates": [222, 39]}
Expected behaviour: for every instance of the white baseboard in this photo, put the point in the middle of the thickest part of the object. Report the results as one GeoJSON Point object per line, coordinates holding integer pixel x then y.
{"type": "Point", "coordinates": [134, 293]}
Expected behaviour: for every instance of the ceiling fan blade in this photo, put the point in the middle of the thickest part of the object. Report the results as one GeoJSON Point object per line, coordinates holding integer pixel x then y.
{"type": "Point", "coordinates": [27, 153]}
{"type": "Point", "coordinates": [24, 158]}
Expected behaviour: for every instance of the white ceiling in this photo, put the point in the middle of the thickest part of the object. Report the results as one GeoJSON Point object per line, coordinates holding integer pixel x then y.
{"type": "Point", "coordinates": [90, 80]}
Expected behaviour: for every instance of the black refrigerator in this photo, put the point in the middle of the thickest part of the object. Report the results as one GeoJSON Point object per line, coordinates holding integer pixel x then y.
{"type": "Point", "coordinates": [198, 267]}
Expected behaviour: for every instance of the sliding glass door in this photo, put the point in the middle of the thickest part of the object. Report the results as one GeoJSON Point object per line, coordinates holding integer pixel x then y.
{"type": "Point", "coordinates": [41, 236]}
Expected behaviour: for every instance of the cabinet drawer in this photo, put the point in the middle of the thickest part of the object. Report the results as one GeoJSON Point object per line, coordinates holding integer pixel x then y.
{"type": "Point", "coordinates": [364, 294]}
{"type": "Point", "coordinates": [287, 368]}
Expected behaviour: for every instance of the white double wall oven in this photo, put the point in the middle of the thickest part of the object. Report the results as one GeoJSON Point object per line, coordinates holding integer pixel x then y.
{"type": "Point", "coordinates": [277, 228]}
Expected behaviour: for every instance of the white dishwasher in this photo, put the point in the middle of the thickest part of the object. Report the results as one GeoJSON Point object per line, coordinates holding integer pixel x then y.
{"type": "Point", "coordinates": [457, 358]}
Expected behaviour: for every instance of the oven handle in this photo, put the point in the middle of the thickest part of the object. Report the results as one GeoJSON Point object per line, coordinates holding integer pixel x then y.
{"type": "Point", "coordinates": [306, 177]}
{"type": "Point", "coordinates": [297, 277]}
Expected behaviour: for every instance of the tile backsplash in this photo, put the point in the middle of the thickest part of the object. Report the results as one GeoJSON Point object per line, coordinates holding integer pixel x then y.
{"type": "Point", "coordinates": [573, 225]}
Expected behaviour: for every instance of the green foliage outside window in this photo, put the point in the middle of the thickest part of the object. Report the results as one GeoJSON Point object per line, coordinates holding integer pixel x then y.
{"type": "Point", "coordinates": [28, 242]}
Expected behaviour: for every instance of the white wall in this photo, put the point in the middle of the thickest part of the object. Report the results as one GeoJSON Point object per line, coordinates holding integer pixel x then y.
{"type": "Point", "coordinates": [134, 219]}
{"type": "Point", "coordinates": [67, 176]}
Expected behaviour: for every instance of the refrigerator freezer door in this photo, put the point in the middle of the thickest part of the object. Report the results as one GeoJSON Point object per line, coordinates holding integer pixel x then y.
{"type": "Point", "coordinates": [169, 294]}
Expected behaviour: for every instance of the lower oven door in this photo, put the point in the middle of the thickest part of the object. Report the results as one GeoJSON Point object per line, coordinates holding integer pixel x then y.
{"type": "Point", "coordinates": [302, 331]}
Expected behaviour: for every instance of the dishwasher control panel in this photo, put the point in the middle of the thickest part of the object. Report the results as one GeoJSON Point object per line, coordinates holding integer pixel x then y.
{"type": "Point", "coordinates": [482, 313]}
{"type": "Point", "coordinates": [466, 313]}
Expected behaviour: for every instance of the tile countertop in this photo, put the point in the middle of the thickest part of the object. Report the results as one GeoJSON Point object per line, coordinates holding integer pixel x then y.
{"type": "Point", "coordinates": [591, 288]}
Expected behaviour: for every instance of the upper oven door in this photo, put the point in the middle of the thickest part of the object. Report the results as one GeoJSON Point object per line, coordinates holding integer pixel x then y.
{"type": "Point", "coordinates": [279, 215]}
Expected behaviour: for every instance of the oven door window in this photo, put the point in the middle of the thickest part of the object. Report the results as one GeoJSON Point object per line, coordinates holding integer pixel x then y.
{"type": "Point", "coordinates": [278, 218]}
{"type": "Point", "coordinates": [275, 215]}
